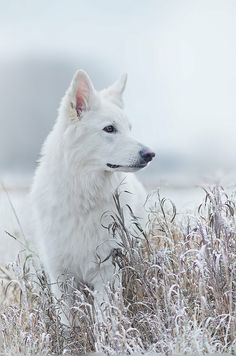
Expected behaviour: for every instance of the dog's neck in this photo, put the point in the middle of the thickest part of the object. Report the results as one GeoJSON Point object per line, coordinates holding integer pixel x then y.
{"type": "Point", "coordinates": [77, 185]}
{"type": "Point", "coordinates": [88, 190]}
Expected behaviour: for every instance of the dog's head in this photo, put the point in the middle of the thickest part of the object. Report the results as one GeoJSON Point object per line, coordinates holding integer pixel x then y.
{"type": "Point", "coordinates": [97, 130]}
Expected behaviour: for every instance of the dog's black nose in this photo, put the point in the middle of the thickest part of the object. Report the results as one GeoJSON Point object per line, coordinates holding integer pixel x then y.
{"type": "Point", "coordinates": [147, 155]}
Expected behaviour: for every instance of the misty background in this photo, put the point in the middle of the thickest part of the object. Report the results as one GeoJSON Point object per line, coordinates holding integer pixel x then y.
{"type": "Point", "coordinates": [180, 57]}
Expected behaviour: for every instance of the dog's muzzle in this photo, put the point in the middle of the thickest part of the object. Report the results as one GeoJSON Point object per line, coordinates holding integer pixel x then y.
{"type": "Point", "coordinates": [145, 156]}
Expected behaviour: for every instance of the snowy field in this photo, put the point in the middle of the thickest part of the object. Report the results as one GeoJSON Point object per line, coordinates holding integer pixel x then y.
{"type": "Point", "coordinates": [14, 209]}
{"type": "Point", "coordinates": [15, 215]}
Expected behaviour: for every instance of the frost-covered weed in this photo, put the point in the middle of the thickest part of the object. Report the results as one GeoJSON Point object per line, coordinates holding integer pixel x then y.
{"type": "Point", "coordinates": [176, 294]}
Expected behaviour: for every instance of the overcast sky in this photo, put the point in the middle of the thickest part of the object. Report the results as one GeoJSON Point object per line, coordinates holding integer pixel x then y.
{"type": "Point", "coordinates": [180, 57]}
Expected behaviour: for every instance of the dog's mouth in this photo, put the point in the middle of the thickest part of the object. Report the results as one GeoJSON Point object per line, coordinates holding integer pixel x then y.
{"type": "Point", "coordinates": [133, 167]}
{"type": "Point", "coordinates": [113, 165]}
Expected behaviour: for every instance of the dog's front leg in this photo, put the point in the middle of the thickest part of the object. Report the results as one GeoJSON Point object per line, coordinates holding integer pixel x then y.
{"type": "Point", "coordinates": [63, 287]}
{"type": "Point", "coordinates": [107, 280]}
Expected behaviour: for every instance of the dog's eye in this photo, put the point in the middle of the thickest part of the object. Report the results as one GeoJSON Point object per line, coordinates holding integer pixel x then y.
{"type": "Point", "coordinates": [110, 129]}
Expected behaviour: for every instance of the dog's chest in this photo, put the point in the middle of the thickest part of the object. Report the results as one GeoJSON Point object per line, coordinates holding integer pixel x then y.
{"type": "Point", "coordinates": [81, 241]}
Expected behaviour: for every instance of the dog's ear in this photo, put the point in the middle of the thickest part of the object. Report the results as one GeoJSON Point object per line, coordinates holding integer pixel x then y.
{"type": "Point", "coordinates": [116, 90]}
{"type": "Point", "coordinates": [82, 92]}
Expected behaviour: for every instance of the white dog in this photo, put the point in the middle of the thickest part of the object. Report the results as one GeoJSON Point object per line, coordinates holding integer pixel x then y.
{"type": "Point", "coordinates": [83, 161]}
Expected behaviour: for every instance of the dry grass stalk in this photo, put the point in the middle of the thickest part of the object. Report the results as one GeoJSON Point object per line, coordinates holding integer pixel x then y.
{"type": "Point", "coordinates": [177, 294]}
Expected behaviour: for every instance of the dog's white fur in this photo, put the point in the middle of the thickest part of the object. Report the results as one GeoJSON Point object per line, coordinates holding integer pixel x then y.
{"type": "Point", "coordinates": [73, 186]}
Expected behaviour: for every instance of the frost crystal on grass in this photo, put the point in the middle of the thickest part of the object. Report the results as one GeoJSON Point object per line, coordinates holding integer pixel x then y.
{"type": "Point", "coordinates": [175, 292]}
